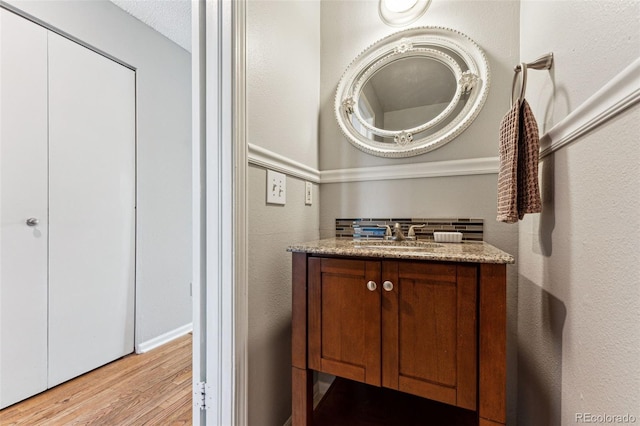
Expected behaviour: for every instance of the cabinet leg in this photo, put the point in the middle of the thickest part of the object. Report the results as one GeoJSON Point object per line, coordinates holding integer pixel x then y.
{"type": "Point", "coordinates": [492, 351]}
{"type": "Point", "coordinates": [302, 397]}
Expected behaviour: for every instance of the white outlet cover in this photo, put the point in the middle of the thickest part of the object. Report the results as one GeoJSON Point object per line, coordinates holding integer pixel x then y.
{"type": "Point", "coordinates": [276, 188]}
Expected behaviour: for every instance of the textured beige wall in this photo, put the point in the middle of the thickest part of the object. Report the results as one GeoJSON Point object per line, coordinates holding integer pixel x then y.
{"type": "Point", "coordinates": [271, 229]}
{"type": "Point", "coordinates": [283, 69]}
{"type": "Point", "coordinates": [578, 286]}
{"type": "Point", "coordinates": [283, 63]}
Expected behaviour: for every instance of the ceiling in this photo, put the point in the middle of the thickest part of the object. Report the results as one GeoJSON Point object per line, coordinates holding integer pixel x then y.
{"type": "Point", "coordinates": [171, 18]}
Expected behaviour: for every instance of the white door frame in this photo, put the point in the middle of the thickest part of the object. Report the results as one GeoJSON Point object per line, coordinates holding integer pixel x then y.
{"type": "Point", "coordinates": [219, 212]}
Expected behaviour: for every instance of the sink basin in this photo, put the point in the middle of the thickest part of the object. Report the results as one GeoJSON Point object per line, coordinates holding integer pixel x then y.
{"type": "Point", "coordinates": [397, 245]}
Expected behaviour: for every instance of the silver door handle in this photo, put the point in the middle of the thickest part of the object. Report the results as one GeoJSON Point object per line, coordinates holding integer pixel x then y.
{"type": "Point", "coordinates": [387, 285]}
{"type": "Point", "coordinates": [371, 285]}
{"type": "Point", "coordinates": [32, 221]}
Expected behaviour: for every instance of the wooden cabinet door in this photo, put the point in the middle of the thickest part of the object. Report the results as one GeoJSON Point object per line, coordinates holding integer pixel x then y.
{"type": "Point", "coordinates": [344, 318]}
{"type": "Point", "coordinates": [429, 331]}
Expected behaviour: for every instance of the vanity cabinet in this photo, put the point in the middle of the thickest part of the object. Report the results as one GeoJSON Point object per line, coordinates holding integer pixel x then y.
{"type": "Point", "coordinates": [435, 329]}
{"type": "Point", "coordinates": [404, 325]}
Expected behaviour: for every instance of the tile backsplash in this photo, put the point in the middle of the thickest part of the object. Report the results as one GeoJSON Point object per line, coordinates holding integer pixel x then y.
{"type": "Point", "coordinates": [472, 229]}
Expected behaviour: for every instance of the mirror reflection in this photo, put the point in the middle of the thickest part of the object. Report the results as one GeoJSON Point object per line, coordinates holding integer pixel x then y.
{"type": "Point", "coordinates": [405, 94]}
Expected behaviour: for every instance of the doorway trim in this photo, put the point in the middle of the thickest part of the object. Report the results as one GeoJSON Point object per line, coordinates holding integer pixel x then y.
{"type": "Point", "coordinates": [219, 213]}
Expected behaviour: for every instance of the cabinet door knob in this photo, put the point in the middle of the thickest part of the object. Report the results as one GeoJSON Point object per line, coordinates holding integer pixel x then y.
{"type": "Point", "coordinates": [32, 221]}
{"type": "Point", "coordinates": [371, 285]}
{"type": "Point", "coordinates": [387, 285]}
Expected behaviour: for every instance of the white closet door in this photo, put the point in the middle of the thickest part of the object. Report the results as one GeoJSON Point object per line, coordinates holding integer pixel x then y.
{"type": "Point", "coordinates": [91, 209]}
{"type": "Point", "coordinates": [23, 195]}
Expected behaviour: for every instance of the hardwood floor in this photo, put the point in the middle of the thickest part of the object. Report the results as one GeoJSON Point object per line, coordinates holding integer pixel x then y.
{"type": "Point", "coordinates": [148, 389]}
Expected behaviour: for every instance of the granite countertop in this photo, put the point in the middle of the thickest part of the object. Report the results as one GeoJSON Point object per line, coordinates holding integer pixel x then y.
{"type": "Point", "coordinates": [471, 251]}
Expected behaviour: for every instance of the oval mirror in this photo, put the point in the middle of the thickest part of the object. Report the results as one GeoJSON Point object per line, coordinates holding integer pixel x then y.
{"type": "Point", "coordinates": [412, 92]}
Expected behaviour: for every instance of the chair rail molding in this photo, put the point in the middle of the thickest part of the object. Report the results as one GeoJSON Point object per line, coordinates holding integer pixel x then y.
{"type": "Point", "coordinates": [620, 93]}
{"type": "Point", "coordinates": [474, 166]}
{"type": "Point", "coordinates": [263, 157]}
{"type": "Point", "coordinates": [471, 166]}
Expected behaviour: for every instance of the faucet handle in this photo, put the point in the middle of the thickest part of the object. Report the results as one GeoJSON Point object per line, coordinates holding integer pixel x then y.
{"type": "Point", "coordinates": [387, 233]}
{"type": "Point", "coordinates": [412, 232]}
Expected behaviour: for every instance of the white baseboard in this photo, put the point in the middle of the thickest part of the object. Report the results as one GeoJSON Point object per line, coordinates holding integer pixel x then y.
{"type": "Point", "coordinates": [163, 338]}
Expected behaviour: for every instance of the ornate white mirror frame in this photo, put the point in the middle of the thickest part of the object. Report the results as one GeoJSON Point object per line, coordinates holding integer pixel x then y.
{"type": "Point", "coordinates": [463, 58]}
